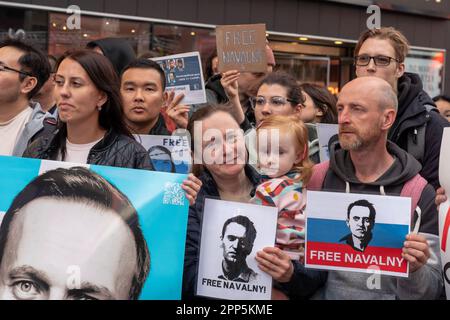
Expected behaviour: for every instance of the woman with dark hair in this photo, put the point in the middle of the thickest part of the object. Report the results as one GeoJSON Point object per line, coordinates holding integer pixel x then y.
{"type": "Point", "coordinates": [91, 128]}
{"type": "Point", "coordinates": [65, 218]}
{"type": "Point", "coordinates": [320, 104]}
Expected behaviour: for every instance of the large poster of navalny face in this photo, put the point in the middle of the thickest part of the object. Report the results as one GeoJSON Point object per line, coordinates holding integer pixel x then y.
{"type": "Point", "coordinates": [80, 232]}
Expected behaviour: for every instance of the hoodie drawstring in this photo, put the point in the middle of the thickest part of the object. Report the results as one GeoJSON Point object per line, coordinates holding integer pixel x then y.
{"type": "Point", "coordinates": [347, 187]}
{"type": "Point", "coordinates": [382, 191]}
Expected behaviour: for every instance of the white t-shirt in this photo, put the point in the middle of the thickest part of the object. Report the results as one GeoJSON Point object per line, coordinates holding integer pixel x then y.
{"type": "Point", "coordinates": [11, 130]}
{"type": "Point", "coordinates": [78, 153]}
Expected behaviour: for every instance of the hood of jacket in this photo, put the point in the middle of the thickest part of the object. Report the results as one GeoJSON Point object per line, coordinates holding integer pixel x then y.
{"type": "Point", "coordinates": [403, 169]}
{"type": "Point", "coordinates": [118, 51]}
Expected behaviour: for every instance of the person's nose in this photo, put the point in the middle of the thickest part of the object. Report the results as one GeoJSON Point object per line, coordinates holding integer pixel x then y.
{"type": "Point", "coordinates": [371, 67]}
{"type": "Point", "coordinates": [138, 96]}
{"type": "Point", "coordinates": [344, 116]}
{"type": "Point", "coordinates": [266, 109]}
{"type": "Point", "coordinates": [64, 91]}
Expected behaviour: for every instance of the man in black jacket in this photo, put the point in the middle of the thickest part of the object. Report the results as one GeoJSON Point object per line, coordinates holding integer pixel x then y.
{"type": "Point", "coordinates": [418, 127]}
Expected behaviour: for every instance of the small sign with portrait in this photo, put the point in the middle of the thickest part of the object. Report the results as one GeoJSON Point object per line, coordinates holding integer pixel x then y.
{"type": "Point", "coordinates": [167, 153]}
{"type": "Point", "coordinates": [357, 232]}
{"type": "Point", "coordinates": [184, 75]}
{"type": "Point", "coordinates": [232, 234]}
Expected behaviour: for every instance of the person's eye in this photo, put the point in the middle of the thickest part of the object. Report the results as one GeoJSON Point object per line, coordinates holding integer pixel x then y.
{"type": "Point", "coordinates": [151, 89]}
{"type": "Point", "coordinates": [25, 290]}
{"type": "Point", "coordinates": [76, 84]}
{"type": "Point", "coordinates": [129, 89]}
{"type": "Point", "coordinates": [59, 82]}
{"type": "Point", "coordinates": [363, 58]}
{"type": "Point", "coordinates": [278, 101]}
{"type": "Point", "coordinates": [260, 101]}
{"type": "Point", "coordinates": [383, 60]}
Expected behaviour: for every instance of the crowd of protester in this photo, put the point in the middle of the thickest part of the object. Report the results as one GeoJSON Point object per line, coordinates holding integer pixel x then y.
{"type": "Point", "coordinates": [85, 106]}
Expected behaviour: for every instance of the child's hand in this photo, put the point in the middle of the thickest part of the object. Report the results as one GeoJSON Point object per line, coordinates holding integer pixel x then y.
{"type": "Point", "coordinates": [276, 263]}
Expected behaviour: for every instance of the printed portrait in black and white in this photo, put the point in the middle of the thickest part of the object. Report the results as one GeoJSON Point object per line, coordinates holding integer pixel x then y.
{"type": "Point", "coordinates": [238, 236]}
{"type": "Point", "coordinates": [360, 220]}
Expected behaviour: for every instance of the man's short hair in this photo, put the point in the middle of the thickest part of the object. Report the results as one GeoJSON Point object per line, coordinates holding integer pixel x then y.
{"type": "Point", "coordinates": [397, 39]}
{"type": "Point", "coordinates": [362, 203]}
{"type": "Point", "coordinates": [250, 230]}
{"type": "Point", "coordinates": [33, 62]}
{"type": "Point", "coordinates": [442, 97]}
{"type": "Point", "coordinates": [79, 183]}
{"type": "Point", "coordinates": [147, 64]}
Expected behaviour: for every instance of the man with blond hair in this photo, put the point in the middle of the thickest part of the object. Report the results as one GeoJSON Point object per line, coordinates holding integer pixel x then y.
{"type": "Point", "coordinates": [418, 127]}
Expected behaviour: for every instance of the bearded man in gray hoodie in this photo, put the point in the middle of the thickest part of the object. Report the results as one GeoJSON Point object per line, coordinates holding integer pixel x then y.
{"type": "Point", "coordinates": [364, 161]}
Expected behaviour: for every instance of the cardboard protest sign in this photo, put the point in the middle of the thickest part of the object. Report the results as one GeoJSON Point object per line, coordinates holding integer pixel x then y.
{"type": "Point", "coordinates": [324, 132]}
{"type": "Point", "coordinates": [90, 232]}
{"type": "Point", "coordinates": [168, 153]}
{"type": "Point", "coordinates": [357, 232]}
{"type": "Point", "coordinates": [184, 75]}
{"type": "Point", "coordinates": [232, 233]}
{"type": "Point", "coordinates": [242, 47]}
{"type": "Point", "coordinates": [444, 209]}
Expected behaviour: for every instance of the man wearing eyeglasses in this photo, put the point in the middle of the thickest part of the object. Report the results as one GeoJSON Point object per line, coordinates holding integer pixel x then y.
{"type": "Point", "coordinates": [418, 128]}
{"type": "Point", "coordinates": [23, 71]}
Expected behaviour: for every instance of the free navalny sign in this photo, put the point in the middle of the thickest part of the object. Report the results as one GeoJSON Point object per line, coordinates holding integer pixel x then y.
{"type": "Point", "coordinates": [357, 232]}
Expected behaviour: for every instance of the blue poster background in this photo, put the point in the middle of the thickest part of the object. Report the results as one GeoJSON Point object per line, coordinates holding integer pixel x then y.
{"type": "Point", "coordinates": [163, 225]}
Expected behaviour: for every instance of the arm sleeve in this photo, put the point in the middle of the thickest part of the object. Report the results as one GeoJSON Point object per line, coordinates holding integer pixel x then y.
{"type": "Point", "coordinates": [304, 282]}
{"type": "Point", "coordinates": [425, 283]}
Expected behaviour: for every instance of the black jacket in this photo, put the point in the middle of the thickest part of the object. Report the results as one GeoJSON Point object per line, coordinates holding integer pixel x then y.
{"type": "Point", "coordinates": [193, 236]}
{"type": "Point", "coordinates": [115, 150]}
{"type": "Point", "coordinates": [160, 127]}
{"type": "Point", "coordinates": [411, 115]}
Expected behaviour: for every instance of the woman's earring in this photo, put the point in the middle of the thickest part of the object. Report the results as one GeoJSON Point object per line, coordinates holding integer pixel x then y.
{"type": "Point", "coordinates": [99, 108]}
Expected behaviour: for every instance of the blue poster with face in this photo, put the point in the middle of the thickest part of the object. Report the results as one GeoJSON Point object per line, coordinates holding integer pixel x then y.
{"type": "Point", "coordinates": [85, 232]}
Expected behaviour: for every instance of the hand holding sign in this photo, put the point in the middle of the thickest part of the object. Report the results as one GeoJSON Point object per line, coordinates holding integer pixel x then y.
{"type": "Point", "coordinates": [416, 251]}
{"type": "Point", "coordinates": [229, 83]}
{"type": "Point", "coordinates": [178, 113]}
{"type": "Point", "coordinates": [276, 263]}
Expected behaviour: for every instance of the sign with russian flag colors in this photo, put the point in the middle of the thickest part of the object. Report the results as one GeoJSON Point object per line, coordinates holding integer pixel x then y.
{"type": "Point", "coordinates": [357, 232]}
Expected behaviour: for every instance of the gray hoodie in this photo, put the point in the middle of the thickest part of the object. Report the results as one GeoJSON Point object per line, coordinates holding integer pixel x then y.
{"type": "Point", "coordinates": [426, 282]}
{"type": "Point", "coordinates": [34, 126]}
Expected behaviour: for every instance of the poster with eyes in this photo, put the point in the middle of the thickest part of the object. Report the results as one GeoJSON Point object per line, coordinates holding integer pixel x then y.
{"type": "Point", "coordinates": [168, 153]}
{"type": "Point", "coordinates": [232, 234]}
{"type": "Point", "coordinates": [88, 232]}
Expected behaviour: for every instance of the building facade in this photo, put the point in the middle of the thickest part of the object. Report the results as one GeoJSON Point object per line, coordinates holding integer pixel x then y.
{"type": "Point", "coordinates": [311, 38]}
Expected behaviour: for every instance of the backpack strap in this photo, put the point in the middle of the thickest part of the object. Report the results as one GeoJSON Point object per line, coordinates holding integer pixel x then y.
{"type": "Point", "coordinates": [413, 189]}
{"type": "Point", "coordinates": [319, 172]}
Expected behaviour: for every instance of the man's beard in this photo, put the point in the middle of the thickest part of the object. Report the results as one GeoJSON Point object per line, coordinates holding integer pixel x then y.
{"type": "Point", "coordinates": [358, 141]}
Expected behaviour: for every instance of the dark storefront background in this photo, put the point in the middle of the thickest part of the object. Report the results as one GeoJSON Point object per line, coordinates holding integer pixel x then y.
{"type": "Point", "coordinates": [313, 39]}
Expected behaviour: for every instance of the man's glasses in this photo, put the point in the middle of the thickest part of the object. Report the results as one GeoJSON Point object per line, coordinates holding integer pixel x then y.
{"type": "Point", "coordinates": [273, 101]}
{"type": "Point", "coordinates": [5, 68]}
{"type": "Point", "coordinates": [380, 61]}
